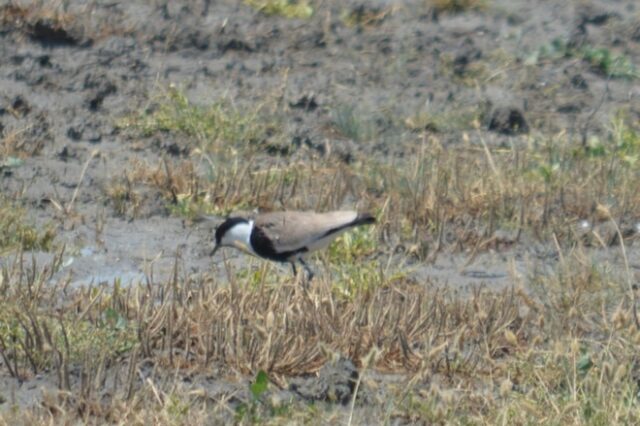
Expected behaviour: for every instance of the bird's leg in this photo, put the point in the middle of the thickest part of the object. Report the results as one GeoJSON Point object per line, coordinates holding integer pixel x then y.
{"type": "Point", "coordinates": [310, 273]}
{"type": "Point", "coordinates": [295, 271]}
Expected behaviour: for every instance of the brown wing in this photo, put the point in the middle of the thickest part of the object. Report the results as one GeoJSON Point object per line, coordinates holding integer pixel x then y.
{"type": "Point", "coordinates": [292, 230]}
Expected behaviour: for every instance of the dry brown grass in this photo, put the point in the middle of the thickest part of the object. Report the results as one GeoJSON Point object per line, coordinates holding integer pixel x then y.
{"type": "Point", "coordinates": [566, 353]}
{"type": "Point", "coordinates": [470, 195]}
{"type": "Point", "coordinates": [562, 350]}
{"type": "Point", "coordinates": [20, 16]}
{"type": "Point", "coordinates": [194, 186]}
{"type": "Point", "coordinates": [467, 195]}
{"type": "Point", "coordinates": [14, 144]}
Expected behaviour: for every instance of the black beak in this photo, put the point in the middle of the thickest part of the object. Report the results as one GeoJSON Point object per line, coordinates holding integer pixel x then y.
{"type": "Point", "coordinates": [215, 249]}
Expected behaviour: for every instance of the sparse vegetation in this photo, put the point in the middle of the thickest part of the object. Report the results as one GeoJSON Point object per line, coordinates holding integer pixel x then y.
{"type": "Point", "coordinates": [378, 107]}
{"type": "Point", "coordinates": [351, 123]}
{"type": "Point", "coordinates": [456, 5]}
{"type": "Point", "coordinates": [217, 128]}
{"type": "Point", "coordinates": [563, 349]}
{"type": "Point", "coordinates": [26, 17]}
{"type": "Point", "coordinates": [601, 59]}
{"type": "Point", "coordinates": [468, 71]}
{"type": "Point", "coordinates": [466, 192]}
{"type": "Point", "coordinates": [286, 8]}
{"type": "Point", "coordinates": [365, 16]}
{"type": "Point", "coordinates": [443, 121]}
{"type": "Point", "coordinates": [608, 63]}
{"type": "Point", "coordinates": [569, 350]}
{"type": "Point", "coordinates": [17, 144]}
{"type": "Point", "coordinates": [125, 200]}
{"type": "Point", "coordinates": [52, 23]}
{"type": "Point", "coordinates": [16, 231]}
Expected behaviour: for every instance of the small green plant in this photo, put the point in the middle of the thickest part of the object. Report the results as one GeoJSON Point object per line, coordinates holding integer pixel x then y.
{"type": "Point", "coordinates": [601, 59]}
{"type": "Point", "coordinates": [431, 408]}
{"type": "Point", "coordinates": [109, 335]}
{"type": "Point", "coordinates": [625, 139]}
{"type": "Point", "coordinates": [456, 6]}
{"type": "Point", "coordinates": [38, 339]}
{"type": "Point", "coordinates": [252, 410]}
{"type": "Point", "coordinates": [177, 408]}
{"type": "Point", "coordinates": [266, 274]}
{"type": "Point", "coordinates": [216, 127]}
{"type": "Point", "coordinates": [260, 385]}
{"type": "Point", "coordinates": [350, 123]}
{"type": "Point", "coordinates": [353, 246]}
{"type": "Point", "coordinates": [356, 278]}
{"type": "Point", "coordinates": [16, 231]}
{"type": "Point", "coordinates": [608, 63]}
{"type": "Point", "coordinates": [188, 206]}
{"type": "Point", "coordinates": [287, 8]}
{"type": "Point", "coordinates": [623, 142]}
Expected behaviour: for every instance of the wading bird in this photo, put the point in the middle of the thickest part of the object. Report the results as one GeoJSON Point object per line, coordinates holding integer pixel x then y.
{"type": "Point", "coordinates": [287, 236]}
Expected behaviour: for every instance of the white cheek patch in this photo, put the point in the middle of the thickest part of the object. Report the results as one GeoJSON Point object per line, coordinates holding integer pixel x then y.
{"type": "Point", "coordinates": [240, 237]}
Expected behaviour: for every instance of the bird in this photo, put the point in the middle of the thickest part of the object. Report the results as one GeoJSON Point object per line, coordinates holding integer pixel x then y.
{"type": "Point", "coordinates": [287, 236]}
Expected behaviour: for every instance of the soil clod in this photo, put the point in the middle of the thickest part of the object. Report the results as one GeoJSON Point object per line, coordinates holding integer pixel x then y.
{"type": "Point", "coordinates": [508, 121]}
{"type": "Point", "coordinates": [335, 382]}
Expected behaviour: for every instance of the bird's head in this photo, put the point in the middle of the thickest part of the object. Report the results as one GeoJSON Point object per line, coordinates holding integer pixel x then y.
{"type": "Point", "coordinates": [233, 232]}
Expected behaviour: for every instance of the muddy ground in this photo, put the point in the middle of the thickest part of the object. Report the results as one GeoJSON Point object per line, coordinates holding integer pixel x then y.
{"type": "Point", "coordinates": [490, 73]}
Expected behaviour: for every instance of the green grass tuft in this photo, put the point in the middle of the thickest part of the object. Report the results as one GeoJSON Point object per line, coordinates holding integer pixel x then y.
{"type": "Point", "coordinates": [353, 124]}
{"type": "Point", "coordinates": [287, 8]}
{"type": "Point", "coordinates": [457, 6]}
{"type": "Point", "coordinates": [215, 127]}
{"type": "Point", "coordinates": [601, 59]}
{"type": "Point", "coordinates": [16, 231]}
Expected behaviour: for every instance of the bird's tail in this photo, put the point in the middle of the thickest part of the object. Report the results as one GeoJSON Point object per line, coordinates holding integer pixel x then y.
{"type": "Point", "coordinates": [363, 219]}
